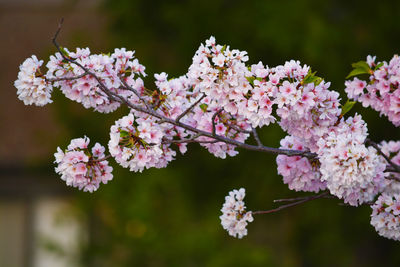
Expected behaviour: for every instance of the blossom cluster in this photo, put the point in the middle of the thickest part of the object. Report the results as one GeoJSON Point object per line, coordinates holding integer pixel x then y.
{"type": "Point", "coordinates": [382, 90]}
{"type": "Point", "coordinates": [310, 117]}
{"type": "Point", "coordinates": [109, 69]}
{"type": "Point", "coordinates": [180, 94]}
{"type": "Point", "coordinates": [353, 172]}
{"type": "Point", "coordinates": [32, 87]}
{"type": "Point", "coordinates": [299, 173]}
{"type": "Point", "coordinates": [234, 217]}
{"type": "Point", "coordinates": [136, 143]}
{"type": "Point", "coordinates": [392, 150]}
{"type": "Point", "coordinates": [304, 103]}
{"type": "Point", "coordinates": [82, 167]}
{"type": "Point", "coordinates": [385, 216]}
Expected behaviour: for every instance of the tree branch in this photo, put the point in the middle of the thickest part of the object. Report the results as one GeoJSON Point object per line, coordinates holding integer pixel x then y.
{"type": "Point", "coordinates": [190, 108]}
{"type": "Point", "coordinates": [255, 135]}
{"type": "Point", "coordinates": [297, 199]}
{"type": "Point", "coordinates": [188, 140]}
{"type": "Point", "coordinates": [301, 201]}
{"type": "Point", "coordinates": [396, 168]}
{"type": "Point", "coordinates": [66, 78]}
{"type": "Point", "coordinates": [213, 120]}
{"type": "Point", "coordinates": [132, 90]}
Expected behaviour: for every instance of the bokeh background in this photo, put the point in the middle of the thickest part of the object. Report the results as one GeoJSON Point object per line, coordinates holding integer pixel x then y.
{"type": "Point", "coordinates": [169, 217]}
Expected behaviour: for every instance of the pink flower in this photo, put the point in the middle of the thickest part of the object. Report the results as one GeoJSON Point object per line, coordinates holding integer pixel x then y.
{"type": "Point", "coordinates": [81, 168]}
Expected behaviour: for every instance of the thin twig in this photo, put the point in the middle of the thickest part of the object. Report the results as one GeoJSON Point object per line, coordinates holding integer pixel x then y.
{"type": "Point", "coordinates": [180, 141]}
{"type": "Point", "coordinates": [255, 135]}
{"type": "Point", "coordinates": [237, 128]}
{"type": "Point", "coordinates": [291, 204]}
{"type": "Point", "coordinates": [392, 177]}
{"type": "Point", "coordinates": [101, 84]}
{"type": "Point", "coordinates": [190, 108]}
{"type": "Point", "coordinates": [133, 90]}
{"type": "Point", "coordinates": [101, 159]}
{"type": "Point", "coordinates": [66, 78]}
{"type": "Point", "coordinates": [375, 145]}
{"type": "Point", "coordinates": [213, 120]}
{"type": "Point", "coordinates": [297, 199]}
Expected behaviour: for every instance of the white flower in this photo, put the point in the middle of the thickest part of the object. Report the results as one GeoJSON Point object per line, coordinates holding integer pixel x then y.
{"type": "Point", "coordinates": [219, 60]}
{"type": "Point", "coordinates": [385, 216]}
{"type": "Point", "coordinates": [234, 217]}
{"type": "Point", "coordinates": [136, 143]}
{"type": "Point", "coordinates": [353, 172]}
{"type": "Point", "coordinates": [81, 168]}
{"type": "Point", "coordinates": [32, 88]}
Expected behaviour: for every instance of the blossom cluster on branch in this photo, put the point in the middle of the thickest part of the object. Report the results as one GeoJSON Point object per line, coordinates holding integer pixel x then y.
{"type": "Point", "coordinates": [219, 103]}
{"type": "Point", "coordinates": [381, 90]}
{"type": "Point", "coordinates": [81, 167]}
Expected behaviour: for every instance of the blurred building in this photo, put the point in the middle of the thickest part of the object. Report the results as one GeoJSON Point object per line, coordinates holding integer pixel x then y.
{"type": "Point", "coordinates": [37, 224]}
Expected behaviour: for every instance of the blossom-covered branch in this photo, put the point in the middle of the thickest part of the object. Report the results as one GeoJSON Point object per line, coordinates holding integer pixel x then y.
{"type": "Point", "coordinates": [219, 103]}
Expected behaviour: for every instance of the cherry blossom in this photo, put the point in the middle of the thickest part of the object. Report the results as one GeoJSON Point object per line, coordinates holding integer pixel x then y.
{"type": "Point", "coordinates": [382, 90]}
{"type": "Point", "coordinates": [234, 217]}
{"type": "Point", "coordinates": [82, 167]}
{"type": "Point", "coordinates": [137, 144]}
{"type": "Point", "coordinates": [86, 89]}
{"type": "Point", "coordinates": [299, 173]}
{"type": "Point", "coordinates": [32, 86]}
{"type": "Point", "coordinates": [385, 216]}
{"type": "Point", "coordinates": [353, 172]}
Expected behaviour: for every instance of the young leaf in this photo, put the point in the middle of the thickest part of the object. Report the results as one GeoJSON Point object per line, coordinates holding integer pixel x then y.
{"type": "Point", "coordinates": [379, 65]}
{"type": "Point", "coordinates": [223, 48]}
{"type": "Point", "coordinates": [347, 107]}
{"type": "Point", "coordinates": [251, 79]}
{"type": "Point", "coordinates": [123, 134]}
{"type": "Point", "coordinates": [360, 67]}
{"type": "Point", "coordinates": [312, 78]}
{"type": "Point", "coordinates": [204, 107]}
{"type": "Point", "coordinates": [64, 51]}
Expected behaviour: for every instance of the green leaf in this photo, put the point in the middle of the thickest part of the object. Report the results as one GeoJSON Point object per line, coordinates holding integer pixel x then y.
{"type": "Point", "coordinates": [64, 51]}
{"type": "Point", "coordinates": [123, 133]}
{"type": "Point", "coordinates": [204, 107]}
{"type": "Point", "coordinates": [251, 79]}
{"type": "Point", "coordinates": [360, 67]}
{"type": "Point", "coordinates": [347, 107]}
{"type": "Point", "coordinates": [378, 66]}
{"type": "Point", "coordinates": [223, 49]}
{"type": "Point", "coordinates": [312, 78]}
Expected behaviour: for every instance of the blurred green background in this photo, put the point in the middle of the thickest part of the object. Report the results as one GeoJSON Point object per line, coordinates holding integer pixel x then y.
{"type": "Point", "coordinates": [169, 217]}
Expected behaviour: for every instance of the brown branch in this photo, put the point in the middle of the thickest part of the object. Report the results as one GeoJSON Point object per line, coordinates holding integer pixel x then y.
{"type": "Point", "coordinates": [396, 168]}
{"type": "Point", "coordinates": [213, 120]}
{"type": "Point", "coordinates": [189, 108]}
{"type": "Point", "coordinates": [133, 90]}
{"type": "Point", "coordinates": [304, 200]}
{"type": "Point", "coordinates": [255, 135]}
{"type": "Point", "coordinates": [101, 84]}
{"type": "Point", "coordinates": [189, 140]}
{"type": "Point", "coordinates": [237, 128]}
{"type": "Point", "coordinates": [392, 177]}
{"type": "Point", "coordinates": [297, 199]}
{"type": "Point", "coordinates": [101, 159]}
{"type": "Point", "coordinates": [66, 78]}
